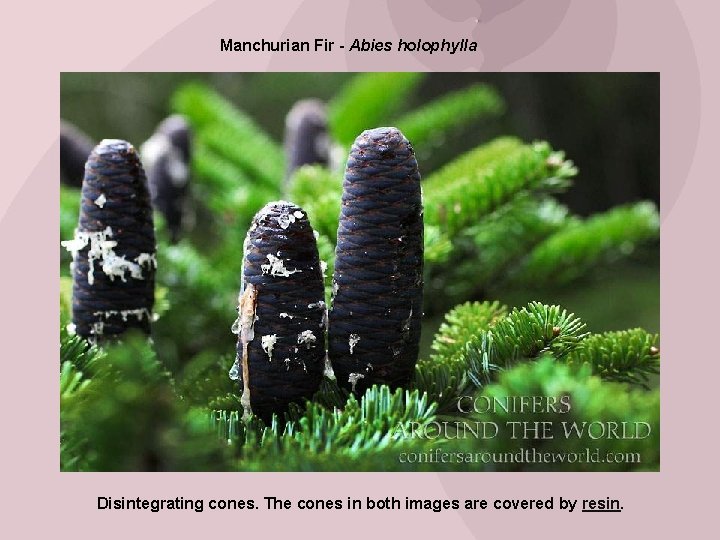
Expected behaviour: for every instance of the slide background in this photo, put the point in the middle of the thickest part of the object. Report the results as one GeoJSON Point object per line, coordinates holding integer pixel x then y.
{"type": "Point", "coordinates": [678, 39]}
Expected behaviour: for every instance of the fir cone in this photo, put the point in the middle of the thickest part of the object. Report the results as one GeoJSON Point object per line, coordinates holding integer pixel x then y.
{"type": "Point", "coordinates": [75, 147]}
{"type": "Point", "coordinates": [306, 136]}
{"type": "Point", "coordinates": [376, 311]}
{"type": "Point", "coordinates": [166, 156]}
{"type": "Point", "coordinates": [113, 250]}
{"type": "Point", "coordinates": [282, 315]}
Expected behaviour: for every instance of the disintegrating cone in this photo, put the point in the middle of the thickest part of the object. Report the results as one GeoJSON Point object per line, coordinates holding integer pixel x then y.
{"type": "Point", "coordinates": [166, 156]}
{"type": "Point", "coordinates": [375, 318]}
{"type": "Point", "coordinates": [306, 136]}
{"type": "Point", "coordinates": [282, 315]}
{"type": "Point", "coordinates": [113, 250]}
{"type": "Point", "coordinates": [75, 147]}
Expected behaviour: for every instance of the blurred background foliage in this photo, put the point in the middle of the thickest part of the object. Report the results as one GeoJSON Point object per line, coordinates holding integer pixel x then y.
{"type": "Point", "coordinates": [607, 123]}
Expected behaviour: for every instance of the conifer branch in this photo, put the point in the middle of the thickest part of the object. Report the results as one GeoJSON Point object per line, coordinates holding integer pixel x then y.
{"type": "Point", "coordinates": [250, 150]}
{"type": "Point", "coordinates": [506, 236]}
{"type": "Point", "coordinates": [429, 124]}
{"type": "Point", "coordinates": [71, 380]}
{"type": "Point", "coordinates": [629, 356]}
{"type": "Point", "coordinates": [443, 382]}
{"type": "Point", "coordinates": [204, 382]}
{"type": "Point", "coordinates": [227, 191]}
{"type": "Point", "coordinates": [581, 245]}
{"type": "Point", "coordinates": [438, 247]}
{"type": "Point", "coordinates": [119, 415]}
{"type": "Point", "coordinates": [487, 178]}
{"type": "Point", "coordinates": [78, 352]}
{"type": "Point", "coordinates": [461, 325]}
{"type": "Point", "coordinates": [319, 191]}
{"type": "Point", "coordinates": [369, 100]}
{"type": "Point", "coordinates": [359, 428]}
{"type": "Point", "coordinates": [588, 400]}
{"type": "Point", "coordinates": [444, 376]}
{"type": "Point", "coordinates": [480, 258]}
{"type": "Point", "coordinates": [230, 133]}
{"type": "Point", "coordinates": [524, 334]}
{"type": "Point", "coordinates": [195, 279]}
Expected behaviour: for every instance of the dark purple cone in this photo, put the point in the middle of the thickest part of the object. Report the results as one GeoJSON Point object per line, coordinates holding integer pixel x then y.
{"type": "Point", "coordinates": [166, 156]}
{"type": "Point", "coordinates": [306, 136]}
{"type": "Point", "coordinates": [113, 250]}
{"type": "Point", "coordinates": [75, 147]}
{"type": "Point", "coordinates": [282, 315]}
{"type": "Point", "coordinates": [375, 317]}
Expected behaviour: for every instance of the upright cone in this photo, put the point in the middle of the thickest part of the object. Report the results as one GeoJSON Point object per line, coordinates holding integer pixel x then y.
{"type": "Point", "coordinates": [375, 318]}
{"type": "Point", "coordinates": [166, 156]}
{"type": "Point", "coordinates": [282, 314]}
{"type": "Point", "coordinates": [113, 249]}
{"type": "Point", "coordinates": [306, 136]}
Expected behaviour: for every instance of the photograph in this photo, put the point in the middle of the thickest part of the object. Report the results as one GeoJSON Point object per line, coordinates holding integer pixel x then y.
{"type": "Point", "coordinates": [374, 271]}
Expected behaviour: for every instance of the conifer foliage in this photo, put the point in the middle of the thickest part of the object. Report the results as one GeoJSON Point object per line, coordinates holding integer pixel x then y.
{"type": "Point", "coordinates": [491, 222]}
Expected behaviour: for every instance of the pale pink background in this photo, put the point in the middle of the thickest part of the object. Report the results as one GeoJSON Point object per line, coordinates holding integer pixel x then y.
{"type": "Point", "coordinates": [679, 39]}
